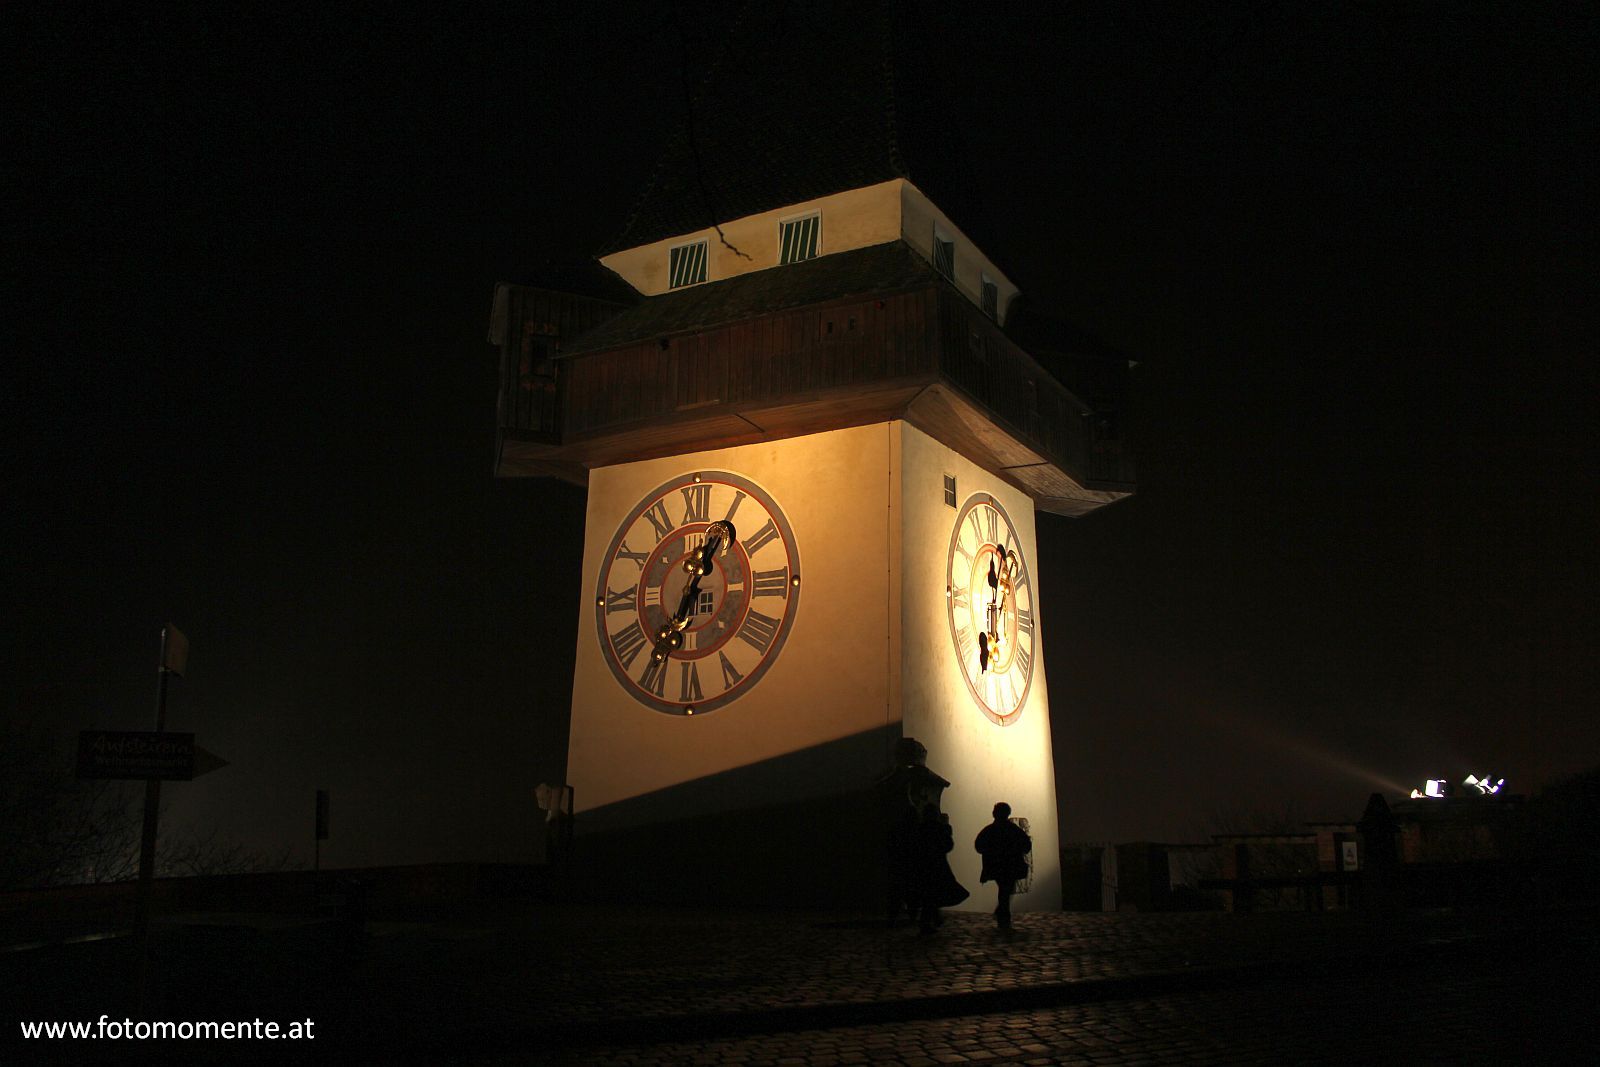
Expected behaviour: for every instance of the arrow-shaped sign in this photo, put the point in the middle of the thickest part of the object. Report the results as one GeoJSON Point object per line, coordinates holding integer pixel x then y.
{"type": "Point", "coordinates": [206, 761]}
{"type": "Point", "coordinates": [136, 754]}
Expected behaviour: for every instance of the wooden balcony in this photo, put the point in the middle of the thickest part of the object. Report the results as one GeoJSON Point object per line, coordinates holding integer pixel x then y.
{"type": "Point", "coordinates": [923, 354]}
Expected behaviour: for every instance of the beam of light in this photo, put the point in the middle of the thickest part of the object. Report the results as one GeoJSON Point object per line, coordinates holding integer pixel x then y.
{"type": "Point", "coordinates": [1275, 737]}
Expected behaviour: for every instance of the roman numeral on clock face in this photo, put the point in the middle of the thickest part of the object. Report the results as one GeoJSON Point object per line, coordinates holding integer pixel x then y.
{"type": "Point", "coordinates": [696, 503]}
{"type": "Point", "coordinates": [654, 677]}
{"type": "Point", "coordinates": [656, 514]}
{"type": "Point", "coordinates": [985, 525]}
{"type": "Point", "coordinates": [689, 684]}
{"type": "Point", "coordinates": [638, 557]}
{"type": "Point", "coordinates": [753, 544]}
{"type": "Point", "coordinates": [758, 631]}
{"type": "Point", "coordinates": [771, 583]}
{"type": "Point", "coordinates": [628, 641]}
{"type": "Point", "coordinates": [730, 676]}
{"type": "Point", "coordinates": [621, 601]}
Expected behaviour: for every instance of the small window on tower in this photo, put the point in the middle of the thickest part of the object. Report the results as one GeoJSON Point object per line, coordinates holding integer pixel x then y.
{"type": "Point", "coordinates": [950, 490]}
{"type": "Point", "coordinates": [686, 264]}
{"type": "Point", "coordinates": [706, 604]}
{"type": "Point", "coordinates": [798, 239]}
{"type": "Point", "coordinates": [944, 253]}
{"type": "Point", "coordinates": [991, 298]}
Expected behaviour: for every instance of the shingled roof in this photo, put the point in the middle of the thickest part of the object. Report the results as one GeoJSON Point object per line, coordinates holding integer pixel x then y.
{"type": "Point", "coordinates": [877, 269]}
{"type": "Point", "coordinates": [801, 100]}
{"type": "Point", "coordinates": [585, 277]}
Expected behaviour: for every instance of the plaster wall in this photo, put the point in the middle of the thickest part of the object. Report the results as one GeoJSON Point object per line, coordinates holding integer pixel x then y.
{"type": "Point", "coordinates": [870, 658]}
{"type": "Point", "coordinates": [835, 677]}
{"type": "Point", "coordinates": [919, 216]}
{"type": "Point", "coordinates": [854, 218]}
{"type": "Point", "coordinates": [984, 762]}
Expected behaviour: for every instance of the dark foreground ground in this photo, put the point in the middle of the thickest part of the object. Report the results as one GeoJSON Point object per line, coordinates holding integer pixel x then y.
{"type": "Point", "coordinates": [561, 984]}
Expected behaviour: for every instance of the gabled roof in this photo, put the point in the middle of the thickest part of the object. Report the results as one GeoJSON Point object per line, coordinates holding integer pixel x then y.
{"type": "Point", "coordinates": [876, 269]}
{"type": "Point", "coordinates": [582, 277]}
{"type": "Point", "coordinates": [799, 100]}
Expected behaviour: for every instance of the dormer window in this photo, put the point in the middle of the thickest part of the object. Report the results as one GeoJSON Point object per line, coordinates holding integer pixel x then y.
{"type": "Point", "coordinates": [686, 265]}
{"type": "Point", "coordinates": [798, 239]}
{"type": "Point", "coordinates": [944, 253]}
{"type": "Point", "coordinates": [991, 298]}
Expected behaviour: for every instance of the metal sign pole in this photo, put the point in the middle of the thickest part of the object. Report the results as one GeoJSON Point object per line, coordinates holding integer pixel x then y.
{"type": "Point", "coordinates": [322, 824]}
{"type": "Point", "coordinates": [174, 652]}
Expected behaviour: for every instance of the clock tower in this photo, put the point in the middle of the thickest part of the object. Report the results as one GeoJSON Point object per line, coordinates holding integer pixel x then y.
{"type": "Point", "coordinates": [815, 420]}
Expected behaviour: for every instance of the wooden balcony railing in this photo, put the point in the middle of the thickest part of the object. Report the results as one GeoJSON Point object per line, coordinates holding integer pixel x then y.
{"type": "Point", "coordinates": [888, 345]}
{"type": "Point", "coordinates": [998, 375]}
{"type": "Point", "coordinates": [763, 360]}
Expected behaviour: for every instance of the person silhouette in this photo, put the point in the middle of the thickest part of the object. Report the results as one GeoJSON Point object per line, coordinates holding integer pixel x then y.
{"type": "Point", "coordinates": [1004, 847]}
{"type": "Point", "coordinates": [902, 849]}
{"type": "Point", "coordinates": [936, 885]}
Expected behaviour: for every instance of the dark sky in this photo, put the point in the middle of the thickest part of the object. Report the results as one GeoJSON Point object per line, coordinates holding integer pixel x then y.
{"type": "Point", "coordinates": [249, 258]}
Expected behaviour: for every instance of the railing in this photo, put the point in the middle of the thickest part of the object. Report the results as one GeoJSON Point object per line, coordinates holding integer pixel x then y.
{"type": "Point", "coordinates": [530, 324]}
{"type": "Point", "coordinates": [990, 368]}
{"type": "Point", "coordinates": [760, 360]}
{"type": "Point", "coordinates": [930, 333]}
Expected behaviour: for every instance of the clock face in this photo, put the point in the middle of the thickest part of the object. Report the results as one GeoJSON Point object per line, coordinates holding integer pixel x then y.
{"type": "Point", "coordinates": [733, 625]}
{"type": "Point", "coordinates": [991, 608]}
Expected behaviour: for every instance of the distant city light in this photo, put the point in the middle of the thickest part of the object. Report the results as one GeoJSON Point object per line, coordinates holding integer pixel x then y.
{"type": "Point", "coordinates": [1439, 788]}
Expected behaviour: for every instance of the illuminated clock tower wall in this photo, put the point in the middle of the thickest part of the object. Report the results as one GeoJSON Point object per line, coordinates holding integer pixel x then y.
{"type": "Point", "coordinates": [767, 798]}
{"type": "Point", "coordinates": [828, 683]}
{"type": "Point", "coordinates": [771, 796]}
{"type": "Point", "coordinates": [983, 761]}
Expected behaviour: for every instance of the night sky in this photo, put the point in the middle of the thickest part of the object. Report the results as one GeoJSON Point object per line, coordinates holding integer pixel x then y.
{"type": "Point", "coordinates": [249, 260]}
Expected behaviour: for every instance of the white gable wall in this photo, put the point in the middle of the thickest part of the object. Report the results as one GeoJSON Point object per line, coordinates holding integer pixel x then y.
{"type": "Point", "coordinates": [855, 218]}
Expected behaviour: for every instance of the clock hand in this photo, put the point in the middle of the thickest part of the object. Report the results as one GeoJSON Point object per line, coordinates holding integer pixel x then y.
{"type": "Point", "coordinates": [989, 637]}
{"type": "Point", "coordinates": [719, 535]}
{"type": "Point", "coordinates": [1005, 600]}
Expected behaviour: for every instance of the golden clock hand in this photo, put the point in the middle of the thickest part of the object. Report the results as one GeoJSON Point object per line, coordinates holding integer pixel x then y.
{"type": "Point", "coordinates": [719, 535]}
{"type": "Point", "coordinates": [989, 640]}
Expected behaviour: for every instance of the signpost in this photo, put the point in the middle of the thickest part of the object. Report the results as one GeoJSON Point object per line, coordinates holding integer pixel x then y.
{"type": "Point", "coordinates": [154, 756]}
{"type": "Point", "coordinates": [322, 825]}
{"type": "Point", "coordinates": [138, 754]}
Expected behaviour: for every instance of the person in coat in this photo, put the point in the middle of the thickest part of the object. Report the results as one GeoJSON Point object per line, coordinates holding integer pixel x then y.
{"type": "Point", "coordinates": [1004, 847]}
{"type": "Point", "coordinates": [936, 885]}
{"type": "Point", "coordinates": [902, 855]}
